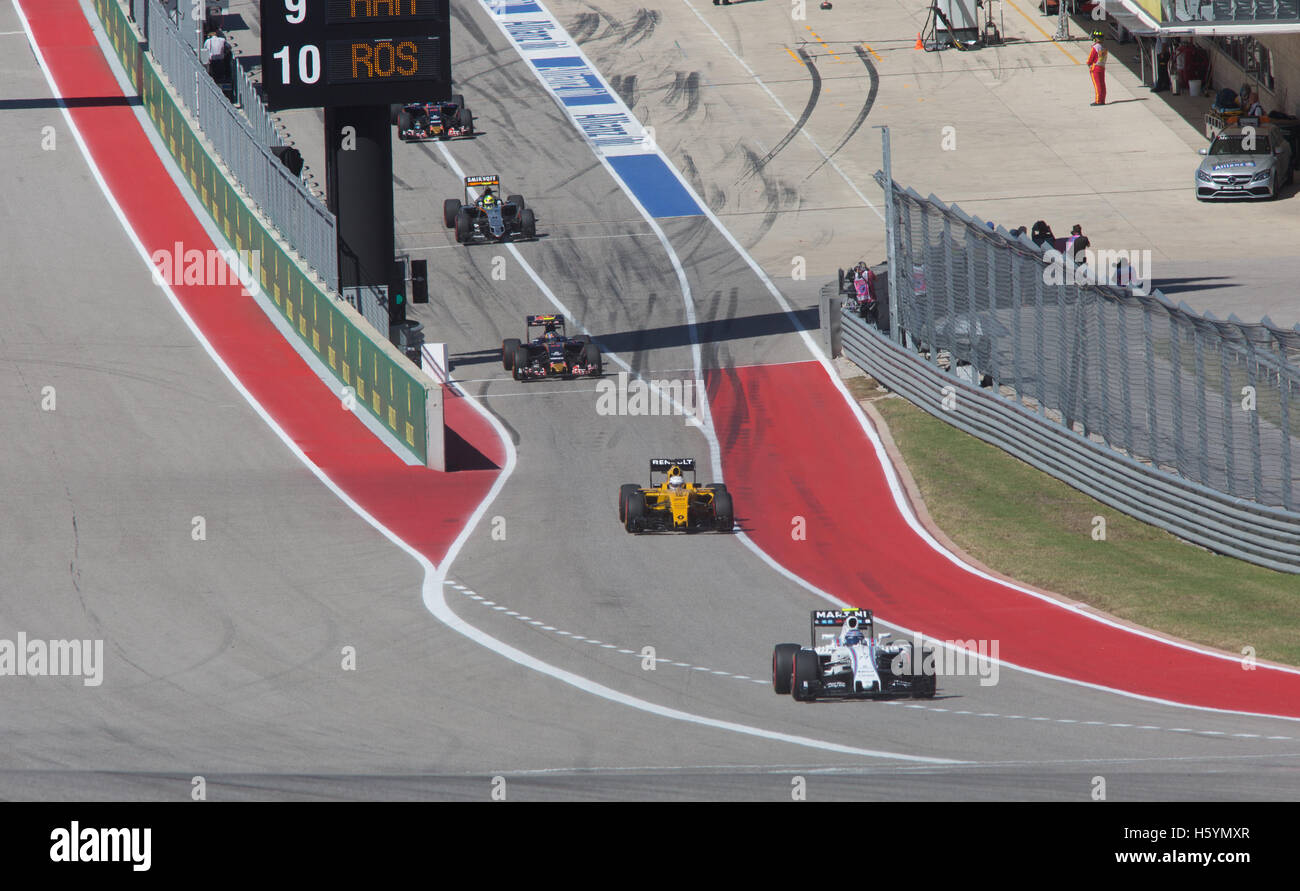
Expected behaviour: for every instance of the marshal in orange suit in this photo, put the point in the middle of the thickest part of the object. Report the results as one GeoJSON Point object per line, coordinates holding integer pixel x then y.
{"type": "Point", "coordinates": [1097, 68]}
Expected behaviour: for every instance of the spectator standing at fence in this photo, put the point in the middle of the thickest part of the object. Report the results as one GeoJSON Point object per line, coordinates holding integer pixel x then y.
{"type": "Point", "coordinates": [1097, 68]}
{"type": "Point", "coordinates": [217, 51]}
{"type": "Point", "coordinates": [1123, 273]}
{"type": "Point", "coordinates": [1077, 243]}
{"type": "Point", "coordinates": [1042, 235]}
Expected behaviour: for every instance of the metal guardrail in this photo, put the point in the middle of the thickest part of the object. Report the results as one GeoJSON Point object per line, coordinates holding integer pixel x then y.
{"type": "Point", "coordinates": [243, 142]}
{"type": "Point", "coordinates": [1266, 536]}
{"type": "Point", "coordinates": [1217, 401]}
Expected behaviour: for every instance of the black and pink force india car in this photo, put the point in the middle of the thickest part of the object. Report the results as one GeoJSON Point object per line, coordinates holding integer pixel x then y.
{"type": "Point", "coordinates": [848, 660]}
{"type": "Point", "coordinates": [487, 216]}
{"type": "Point", "coordinates": [552, 353]}
{"type": "Point", "coordinates": [418, 121]}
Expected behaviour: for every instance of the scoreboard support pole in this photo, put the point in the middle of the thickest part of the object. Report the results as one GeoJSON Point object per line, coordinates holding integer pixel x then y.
{"type": "Point", "coordinates": [359, 190]}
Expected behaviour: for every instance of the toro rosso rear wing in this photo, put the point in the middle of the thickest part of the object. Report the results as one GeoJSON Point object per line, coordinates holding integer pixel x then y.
{"type": "Point", "coordinates": [826, 624]}
{"type": "Point", "coordinates": [533, 321]}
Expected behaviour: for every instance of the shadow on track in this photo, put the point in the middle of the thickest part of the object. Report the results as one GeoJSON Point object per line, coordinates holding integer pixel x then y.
{"type": "Point", "coordinates": [1186, 285]}
{"type": "Point", "coordinates": [463, 456]}
{"type": "Point", "coordinates": [745, 327]}
{"type": "Point", "coordinates": [70, 102]}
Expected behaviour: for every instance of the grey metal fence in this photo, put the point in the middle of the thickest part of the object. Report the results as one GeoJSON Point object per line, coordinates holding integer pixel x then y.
{"type": "Point", "coordinates": [372, 302]}
{"type": "Point", "coordinates": [249, 99]}
{"type": "Point", "coordinates": [1213, 401]}
{"type": "Point", "coordinates": [243, 141]}
{"type": "Point", "coordinates": [1268, 536]}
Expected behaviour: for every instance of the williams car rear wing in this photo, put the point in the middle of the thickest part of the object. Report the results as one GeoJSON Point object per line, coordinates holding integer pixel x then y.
{"type": "Point", "coordinates": [826, 624]}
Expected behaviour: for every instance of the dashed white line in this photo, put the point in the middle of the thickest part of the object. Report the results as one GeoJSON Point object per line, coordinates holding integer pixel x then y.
{"type": "Point", "coordinates": [888, 702]}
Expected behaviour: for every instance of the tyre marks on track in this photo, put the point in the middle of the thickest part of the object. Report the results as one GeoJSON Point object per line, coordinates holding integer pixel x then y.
{"type": "Point", "coordinates": [862, 115]}
{"type": "Point", "coordinates": [813, 95]}
{"type": "Point", "coordinates": [685, 86]}
{"type": "Point", "coordinates": [625, 86]}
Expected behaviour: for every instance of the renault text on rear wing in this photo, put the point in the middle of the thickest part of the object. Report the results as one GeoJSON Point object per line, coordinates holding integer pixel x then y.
{"type": "Point", "coordinates": [663, 465]}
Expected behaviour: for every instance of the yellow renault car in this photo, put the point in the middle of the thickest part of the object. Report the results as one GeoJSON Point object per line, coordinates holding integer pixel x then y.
{"type": "Point", "coordinates": [675, 504]}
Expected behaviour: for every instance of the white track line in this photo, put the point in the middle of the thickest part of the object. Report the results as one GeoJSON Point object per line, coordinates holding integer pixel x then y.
{"type": "Point", "coordinates": [781, 105]}
{"type": "Point", "coordinates": [895, 486]}
{"type": "Point", "coordinates": [664, 660]}
{"type": "Point", "coordinates": [434, 576]}
{"type": "Point", "coordinates": [657, 659]}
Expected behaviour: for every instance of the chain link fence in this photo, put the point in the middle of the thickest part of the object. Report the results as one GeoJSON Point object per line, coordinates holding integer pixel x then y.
{"type": "Point", "coordinates": [243, 141]}
{"type": "Point", "coordinates": [1211, 400]}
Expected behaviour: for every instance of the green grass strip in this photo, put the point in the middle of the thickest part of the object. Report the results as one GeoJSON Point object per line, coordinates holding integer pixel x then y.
{"type": "Point", "coordinates": [1034, 528]}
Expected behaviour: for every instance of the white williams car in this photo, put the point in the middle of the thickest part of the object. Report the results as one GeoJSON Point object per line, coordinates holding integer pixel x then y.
{"type": "Point", "coordinates": [848, 659]}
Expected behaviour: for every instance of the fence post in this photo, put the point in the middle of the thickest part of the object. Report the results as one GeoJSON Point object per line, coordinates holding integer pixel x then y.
{"type": "Point", "coordinates": [891, 236]}
{"type": "Point", "coordinates": [1229, 432]}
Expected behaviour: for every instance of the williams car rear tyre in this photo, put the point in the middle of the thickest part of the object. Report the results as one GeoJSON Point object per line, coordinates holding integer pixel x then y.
{"type": "Point", "coordinates": [806, 675]}
{"type": "Point", "coordinates": [635, 513]}
{"type": "Point", "coordinates": [929, 684]}
{"type": "Point", "coordinates": [508, 347]}
{"type": "Point", "coordinates": [783, 667]}
{"type": "Point", "coordinates": [625, 491]}
{"type": "Point", "coordinates": [450, 208]}
{"type": "Point", "coordinates": [724, 514]}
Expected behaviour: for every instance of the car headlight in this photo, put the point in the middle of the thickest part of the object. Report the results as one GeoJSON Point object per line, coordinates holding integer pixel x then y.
{"type": "Point", "coordinates": [1204, 177]}
{"type": "Point", "coordinates": [1261, 177]}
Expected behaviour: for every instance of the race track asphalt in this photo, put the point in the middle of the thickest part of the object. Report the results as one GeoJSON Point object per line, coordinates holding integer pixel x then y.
{"type": "Point", "coordinates": [223, 656]}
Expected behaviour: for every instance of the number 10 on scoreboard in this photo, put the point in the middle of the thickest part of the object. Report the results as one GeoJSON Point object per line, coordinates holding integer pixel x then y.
{"type": "Point", "coordinates": [323, 53]}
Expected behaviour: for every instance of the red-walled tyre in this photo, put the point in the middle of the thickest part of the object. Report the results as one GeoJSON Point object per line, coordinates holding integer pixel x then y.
{"type": "Point", "coordinates": [783, 667]}
{"type": "Point", "coordinates": [626, 491]}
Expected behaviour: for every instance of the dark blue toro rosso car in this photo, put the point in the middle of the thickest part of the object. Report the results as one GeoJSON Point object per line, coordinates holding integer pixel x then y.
{"type": "Point", "coordinates": [418, 121]}
{"type": "Point", "coordinates": [550, 354]}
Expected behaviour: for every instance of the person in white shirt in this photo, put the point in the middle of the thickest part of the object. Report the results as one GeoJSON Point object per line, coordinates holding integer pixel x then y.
{"type": "Point", "coordinates": [215, 47]}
